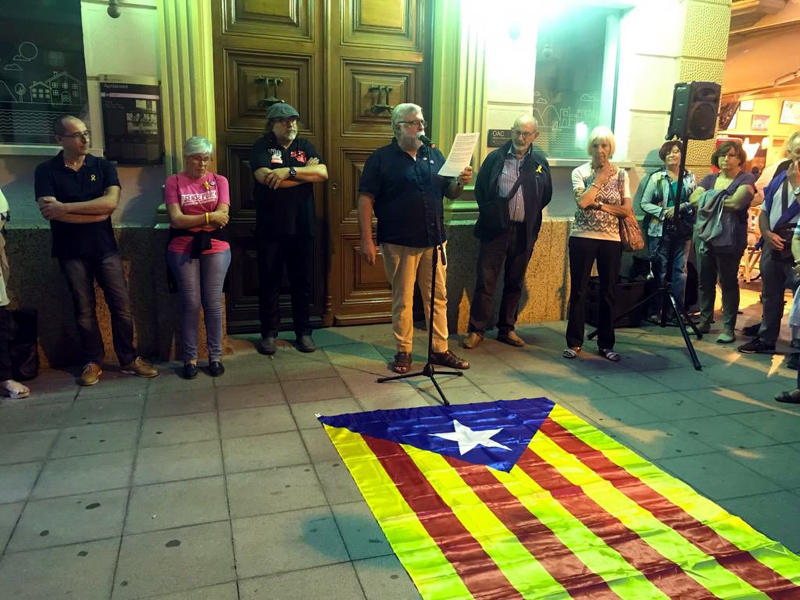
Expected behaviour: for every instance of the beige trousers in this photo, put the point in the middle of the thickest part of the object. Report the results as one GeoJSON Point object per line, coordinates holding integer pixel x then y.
{"type": "Point", "coordinates": [404, 266]}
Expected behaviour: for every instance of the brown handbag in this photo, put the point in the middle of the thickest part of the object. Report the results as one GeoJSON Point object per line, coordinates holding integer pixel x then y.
{"type": "Point", "coordinates": [629, 232]}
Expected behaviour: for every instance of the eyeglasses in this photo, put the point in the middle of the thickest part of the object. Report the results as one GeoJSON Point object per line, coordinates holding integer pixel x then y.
{"type": "Point", "coordinates": [417, 123]}
{"type": "Point", "coordinates": [523, 134]}
{"type": "Point", "coordinates": [200, 158]}
{"type": "Point", "coordinates": [76, 135]}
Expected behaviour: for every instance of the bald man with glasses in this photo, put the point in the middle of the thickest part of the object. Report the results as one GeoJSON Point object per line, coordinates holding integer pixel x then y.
{"type": "Point", "coordinates": [512, 189]}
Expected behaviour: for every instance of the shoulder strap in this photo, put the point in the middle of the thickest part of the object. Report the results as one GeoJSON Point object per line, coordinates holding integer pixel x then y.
{"type": "Point", "coordinates": [516, 185]}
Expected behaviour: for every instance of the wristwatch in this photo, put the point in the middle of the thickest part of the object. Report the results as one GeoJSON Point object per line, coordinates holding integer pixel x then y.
{"type": "Point", "coordinates": [292, 173]}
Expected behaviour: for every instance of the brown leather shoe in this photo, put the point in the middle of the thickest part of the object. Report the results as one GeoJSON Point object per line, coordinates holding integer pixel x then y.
{"type": "Point", "coordinates": [472, 340]}
{"type": "Point", "coordinates": [401, 363]}
{"type": "Point", "coordinates": [511, 338]}
{"type": "Point", "coordinates": [448, 359]}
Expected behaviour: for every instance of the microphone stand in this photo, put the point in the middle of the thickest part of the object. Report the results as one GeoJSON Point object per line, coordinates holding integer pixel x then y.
{"type": "Point", "coordinates": [668, 300]}
{"type": "Point", "coordinates": [429, 370]}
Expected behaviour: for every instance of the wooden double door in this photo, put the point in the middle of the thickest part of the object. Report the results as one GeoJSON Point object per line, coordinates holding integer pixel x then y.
{"type": "Point", "coordinates": [343, 64]}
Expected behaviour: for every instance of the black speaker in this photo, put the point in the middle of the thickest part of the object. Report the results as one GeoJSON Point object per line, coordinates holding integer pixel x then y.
{"type": "Point", "coordinates": [694, 110]}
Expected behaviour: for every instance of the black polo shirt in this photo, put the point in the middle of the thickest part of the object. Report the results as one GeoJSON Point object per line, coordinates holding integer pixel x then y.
{"type": "Point", "coordinates": [54, 178]}
{"type": "Point", "coordinates": [408, 195]}
{"type": "Point", "coordinates": [288, 211]}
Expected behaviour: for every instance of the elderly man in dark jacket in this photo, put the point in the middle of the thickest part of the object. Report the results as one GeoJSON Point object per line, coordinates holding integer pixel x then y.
{"type": "Point", "coordinates": [512, 189]}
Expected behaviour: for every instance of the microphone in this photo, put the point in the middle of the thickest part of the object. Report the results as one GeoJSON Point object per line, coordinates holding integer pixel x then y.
{"type": "Point", "coordinates": [426, 141]}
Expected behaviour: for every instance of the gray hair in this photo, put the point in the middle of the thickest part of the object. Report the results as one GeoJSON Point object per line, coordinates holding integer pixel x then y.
{"type": "Point", "coordinates": [793, 140]}
{"type": "Point", "coordinates": [197, 145]}
{"type": "Point", "coordinates": [601, 133]}
{"type": "Point", "coordinates": [526, 119]}
{"type": "Point", "coordinates": [401, 110]}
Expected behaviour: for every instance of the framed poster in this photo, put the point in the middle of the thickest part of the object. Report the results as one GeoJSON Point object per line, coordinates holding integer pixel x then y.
{"type": "Point", "coordinates": [42, 71]}
{"type": "Point", "coordinates": [747, 105]}
{"type": "Point", "coordinates": [760, 123]}
{"type": "Point", "coordinates": [132, 119]}
{"type": "Point", "coordinates": [790, 112]}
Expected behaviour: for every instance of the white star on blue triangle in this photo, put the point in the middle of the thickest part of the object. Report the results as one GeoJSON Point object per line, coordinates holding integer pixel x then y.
{"type": "Point", "coordinates": [469, 438]}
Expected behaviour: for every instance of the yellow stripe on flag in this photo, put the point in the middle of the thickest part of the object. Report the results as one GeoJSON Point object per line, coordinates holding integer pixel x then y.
{"type": "Point", "coordinates": [432, 573]}
{"type": "Point", "coordinates": [627, 582]}
{"type": "Point", "coordinates": [732, 528]}
{"type": "Point", "coordinates": [521, 569]}
{"type": "Point", "coordinates": [666, 541]}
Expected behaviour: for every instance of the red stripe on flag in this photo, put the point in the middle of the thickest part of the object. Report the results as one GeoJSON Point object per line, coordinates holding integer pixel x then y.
{"type": "Point", "coordinates": [552, 554]}
{"type": "Point", "coordinates": [662, 572]}
{"type": "Point", "coordinates": [480, 573]}
{"type": "Point", "coordinates": [738, 561]}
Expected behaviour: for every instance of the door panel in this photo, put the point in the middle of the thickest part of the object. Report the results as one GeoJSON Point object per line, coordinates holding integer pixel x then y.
{"type": "Point", "coordinates": [292, 19]}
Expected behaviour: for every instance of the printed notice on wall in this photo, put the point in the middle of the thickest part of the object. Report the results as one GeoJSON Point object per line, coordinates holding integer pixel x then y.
{"type": "Point", "coordinates": [132, 121]}
{"type": "Point", "coordinates": [42, 71]}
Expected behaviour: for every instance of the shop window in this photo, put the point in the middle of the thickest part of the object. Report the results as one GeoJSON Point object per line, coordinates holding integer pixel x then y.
{"type": "Point", "coordinates": [576, 77]}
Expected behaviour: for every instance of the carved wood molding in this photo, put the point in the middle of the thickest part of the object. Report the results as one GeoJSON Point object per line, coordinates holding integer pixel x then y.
{"type": "Point", "coordinates": [745, 13]}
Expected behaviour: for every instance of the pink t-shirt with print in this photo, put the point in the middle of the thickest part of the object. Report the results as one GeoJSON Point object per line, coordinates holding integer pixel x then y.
{"type": "Point", "coordinates": [195, 197]}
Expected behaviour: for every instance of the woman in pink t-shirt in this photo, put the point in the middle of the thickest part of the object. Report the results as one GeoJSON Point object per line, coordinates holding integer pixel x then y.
{"type": "Point", "coordinates": [198, 252]}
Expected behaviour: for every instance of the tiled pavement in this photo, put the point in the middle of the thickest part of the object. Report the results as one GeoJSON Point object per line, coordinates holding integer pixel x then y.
{"type": "Point", "coordinates": [217, 489]}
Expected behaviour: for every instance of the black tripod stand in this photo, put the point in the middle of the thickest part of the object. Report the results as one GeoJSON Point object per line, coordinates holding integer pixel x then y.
{"type": "Point", "coordinates": [428, 370]}
{"type": "Point", "coordinates": [668, 300]}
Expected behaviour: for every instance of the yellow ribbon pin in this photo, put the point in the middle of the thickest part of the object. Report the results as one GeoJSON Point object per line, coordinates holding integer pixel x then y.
{"type": "Point", "coordinates": [93, 178]}
{"type": "Point", "coordinates": [539, 169]}
{"type": "Point", "coordinates": [207, 185]}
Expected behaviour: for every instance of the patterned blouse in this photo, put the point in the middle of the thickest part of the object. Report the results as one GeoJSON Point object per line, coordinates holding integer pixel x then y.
{"type": "Point", "coordinates": [591, 222]}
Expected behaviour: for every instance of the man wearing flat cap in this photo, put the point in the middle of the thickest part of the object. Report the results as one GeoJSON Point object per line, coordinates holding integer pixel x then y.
{"type": "Point", "coordinates": [285, 167]}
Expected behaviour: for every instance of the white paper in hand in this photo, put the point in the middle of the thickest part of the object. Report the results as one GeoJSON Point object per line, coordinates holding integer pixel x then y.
{"type": "Point", "coordinates": [460, 154]}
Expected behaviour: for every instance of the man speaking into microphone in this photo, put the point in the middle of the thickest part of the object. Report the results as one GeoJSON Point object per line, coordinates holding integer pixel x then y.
{"type": "Point", "coordinates": [400, 182]}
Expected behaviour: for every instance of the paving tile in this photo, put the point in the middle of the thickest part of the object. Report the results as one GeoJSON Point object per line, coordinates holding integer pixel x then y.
{"type": "Point", "coordinates": [760, 512]}
{"type": "Point", "coordinates": [723, 432]}
{"type": "Point", "coordinates": [737, 372]}
{"type": "Point", "coordinates": [319, 445]}
{"type": "Point", "coordinates": [337, 483]}
{"type": "Point", "coordinates": [83, 474]}
{"type": "Point", "coordinates": [513, 390]}
{"type": "Point", "coordinates": [223, 591]}
{"type": "Point", "coordinates": [180, 403]}
{"type": "Point", "coordinates": [171, 463]}
{"type": "Point", "coordinates": [247, 396]}
{"type": "Point", "coordinates": [312, 390]}
{"type": "Point", "coordinates": [96, 439]}
{"type": "Point", "coordinates": [288, 541]}
{"type": "Point", "coordinates": [334, 582]}
{"type": "Point", "coordinates": [114, 383]}
{"type": "Point", "coordinates": [305, 412]}
{"type": "Point", "coordinates": [360, 531]}
{"type": "Point", "coordinates": [9, 514]}
{"type": "Point", "coordinates": [456, 395]}
{"type": "Point", "coordinates": [256, 421]}
{"type": "Point", "coordinates": [82, 571]}
{"type": "Point", "coordinates": [384, 578]}
{"type": "Point", "coordinates": [779, 425]}
{"type": "Point", "coordinates": [17, 481]}
{"type": "Point", "coordinates": [780, 463]}
{"type": "Point", "coordinates": [176, 504]}
{"type": "Point", "coordinates": [670, 406]}
{"type": "Point", "coordinates": [311, 368]}
{"type": "Point", "coordinates": [718, 476]}
{"type": "Point", "coordinates": [174, 560]}
{"type": "Point", "coordinates": [274, 490]}
{"type": "Point", "coordinates": [264, 452]}
{"type": "Point", "coordinates": [730, 400]}
{"type": "Point", "coordinates": [163, 431]}
{"type": "Point", "coordinates": [33, 418]}
{"type": "Point", "coordinates": [628, 384]}
{"type": "Point", "coordinates": [26, 447]}
{"type": "Point", "coordinates": [682, 379]}
{"type": "Point", "coordinates": [411, 398]}
{"type": "Point", "coordinates": [613, 412]}
{"type": "Point", "coordinates": [69, 520]}
{"type": "Point", "coordinates": [105, 410]}
{"type": "Point", "coordinates": [169, 381]}
{"type": "Point", "coordinates": [247, 372]}
{"type": "Point", "coordinates": [577, 388]}
{"type": "Point", "coordinates": [659, 440]}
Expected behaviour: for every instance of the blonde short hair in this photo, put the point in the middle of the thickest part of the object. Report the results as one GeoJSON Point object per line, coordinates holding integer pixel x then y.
{"type": "Point", "coordinates": [601, 133]}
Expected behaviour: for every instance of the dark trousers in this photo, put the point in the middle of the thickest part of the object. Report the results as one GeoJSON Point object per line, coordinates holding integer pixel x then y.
{"type": "Point", "coordinates": [296, 253]}
{"type": "Point", "coordinates": [582, 254]}
{"type": "Point", "coordinates": [5, 341]}
{"type": "Point", "coordinates": [510, 250]}
{"type": "Point", "coordinates": [81, 274]}
{"type": "Point", "coordinates": [776, 276]}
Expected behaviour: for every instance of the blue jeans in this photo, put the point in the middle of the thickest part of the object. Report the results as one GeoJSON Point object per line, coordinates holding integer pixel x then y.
{"type": "Point", "coordinates": [200, 281]}
{"type": "Point", "coordinates": [659, 254]}
{"type": "Point", "coordinates": [107, 270]}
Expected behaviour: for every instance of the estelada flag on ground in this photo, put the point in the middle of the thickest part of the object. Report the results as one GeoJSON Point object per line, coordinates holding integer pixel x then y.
{"type": "Point", "coordinates": [522, 499]}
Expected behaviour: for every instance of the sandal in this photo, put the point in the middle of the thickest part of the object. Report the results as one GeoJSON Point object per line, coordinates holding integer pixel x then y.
{"type": "Point", "coordinates": [14, 389]}
{"type": "Point", "coordinates": [792, 397]}
{"type": "Point", "coordinates": [401, 363]}
{"type": "Point", "coordinates": [448, 359]}
{"type": "Point", "coordinates": [571, 352]}
{"type": "Point", "coordinates": [609, 354]}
